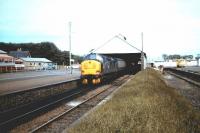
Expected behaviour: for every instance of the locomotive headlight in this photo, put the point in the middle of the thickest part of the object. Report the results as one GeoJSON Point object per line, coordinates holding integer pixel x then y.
{"type": "Point", "coordinates": [84, 81]}
{"type": "Point", "coordinates": [98, 80]}
{"type": "Point", "coordinates": [94, 81]}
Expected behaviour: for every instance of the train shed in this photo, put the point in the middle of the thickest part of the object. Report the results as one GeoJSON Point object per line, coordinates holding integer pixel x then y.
{"type": "Point", "coordinates": [120, 48]}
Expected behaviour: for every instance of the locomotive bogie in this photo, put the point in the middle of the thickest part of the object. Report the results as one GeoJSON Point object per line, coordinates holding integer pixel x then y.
{"type": "Point", "coordinates": [90, 79]}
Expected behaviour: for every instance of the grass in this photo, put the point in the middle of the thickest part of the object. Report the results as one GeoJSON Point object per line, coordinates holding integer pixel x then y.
{"type": "Point", "coordinates": [145, 105]}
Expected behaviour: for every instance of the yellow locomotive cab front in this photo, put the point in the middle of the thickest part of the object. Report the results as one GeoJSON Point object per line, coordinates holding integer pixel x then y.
{"type": "Point", "coordinates": [90, 67]}
{"type": "Point", "coordinates": [90, 72]}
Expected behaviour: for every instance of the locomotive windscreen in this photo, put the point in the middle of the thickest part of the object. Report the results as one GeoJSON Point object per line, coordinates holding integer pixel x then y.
{"type": "Point", "coordinates": [93, 56]}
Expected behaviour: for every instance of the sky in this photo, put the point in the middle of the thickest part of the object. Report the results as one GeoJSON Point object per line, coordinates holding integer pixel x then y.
{"type": "Point", "coordinates": [168, 26]}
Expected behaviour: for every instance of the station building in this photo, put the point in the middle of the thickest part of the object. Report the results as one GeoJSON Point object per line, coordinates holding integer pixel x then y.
{"type": "Point", "coordinates": [6, 62]}
{"type": "Point", "coordinates": [118, 47]}
{"type": "Point", "coordinates": [9, 63]}
{"type": "Point", "coordinates": [21, 60]}
{"type": "Point", "coordinates": [37, 63]}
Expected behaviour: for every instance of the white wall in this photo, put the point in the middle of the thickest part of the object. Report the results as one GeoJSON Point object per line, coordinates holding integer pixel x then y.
{"type": "Point", "coordinates": [192, 63]}
{"type": "Point", "coordinates": [173, 63]}
{"type": "Point", "coordinates": [35, 65]}
{"type": "Point", "coordinates": [165, 64]}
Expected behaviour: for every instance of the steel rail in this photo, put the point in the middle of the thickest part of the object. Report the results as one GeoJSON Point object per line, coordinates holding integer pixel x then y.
{"type": "Point", "coordinates": [187, 76]}
{"type": "Point", "coordinates": [69, 110]}
{"type": "Point", "coordinates": [4, 126]}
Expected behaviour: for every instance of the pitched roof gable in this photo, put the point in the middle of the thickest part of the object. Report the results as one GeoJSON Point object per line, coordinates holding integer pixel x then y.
{"type": "Point", "coordinates": [116, 45]}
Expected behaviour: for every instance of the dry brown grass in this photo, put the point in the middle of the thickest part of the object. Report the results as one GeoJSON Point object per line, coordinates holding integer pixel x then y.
{"type": "Point", "coordinates": [144, 105]}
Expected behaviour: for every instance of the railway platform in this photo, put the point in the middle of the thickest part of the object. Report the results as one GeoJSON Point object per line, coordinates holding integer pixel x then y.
{"type": "Point", "coordinates": [14, 82]}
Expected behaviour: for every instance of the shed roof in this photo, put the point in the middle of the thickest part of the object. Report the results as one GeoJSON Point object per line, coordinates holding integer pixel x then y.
{"type": "Point", "coordinates": [116, 45]}
{"type": "Point", "coordinates": [120, 48]}
{"type": "Point", "coordinates": [36, 60]}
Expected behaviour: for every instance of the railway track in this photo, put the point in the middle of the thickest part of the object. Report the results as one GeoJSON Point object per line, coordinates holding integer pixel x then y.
{"type": "Point", "coordinates": [22, 97]}
{"type": "Point", "coordinates": [185, 85]}
{"type": "Point", "coordinates": [190, 77]}
{"type": "Point", "coordinates": [67, 114]}
{"type": "Point", "coordinates": [15, 116]}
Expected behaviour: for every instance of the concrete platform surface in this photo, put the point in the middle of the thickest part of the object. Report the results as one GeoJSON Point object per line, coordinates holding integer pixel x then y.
{"type": "Point", "coordinates": [12, 82]}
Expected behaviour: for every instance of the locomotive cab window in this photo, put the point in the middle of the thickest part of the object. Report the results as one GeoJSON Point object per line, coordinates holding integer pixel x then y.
{"type": "Point", "coordinates": [90, 57]}
{"type": "Point", "coordinates": [93, 56]}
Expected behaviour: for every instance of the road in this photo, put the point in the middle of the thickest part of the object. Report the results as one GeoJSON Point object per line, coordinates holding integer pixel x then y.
{"type": "Point", "coordinates": [13, 82]}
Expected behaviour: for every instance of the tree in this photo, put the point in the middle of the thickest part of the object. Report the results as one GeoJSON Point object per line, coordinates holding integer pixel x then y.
{"type": "Point", "coordinates": [175, 56]}
{"type": "Point", "coordinates": [189, 57]}
{"type": "Point", "coordinates": [41, 50]}
{"type": "Point", "coordinates": [197, 57]}
{"type": "Point", "coordinates": [165, 57]}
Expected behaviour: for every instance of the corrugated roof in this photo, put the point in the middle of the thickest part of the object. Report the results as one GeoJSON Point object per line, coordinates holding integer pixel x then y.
{"type": "Point", "coordinates": [36, 60]}
{"type": "Point", "coordinates": [2, 52]}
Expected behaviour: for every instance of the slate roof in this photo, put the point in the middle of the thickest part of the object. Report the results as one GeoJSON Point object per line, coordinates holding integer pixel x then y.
{"type": "Point", "coordinates": [20, 54]}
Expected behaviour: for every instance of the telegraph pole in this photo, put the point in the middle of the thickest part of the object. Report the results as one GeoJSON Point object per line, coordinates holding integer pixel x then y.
{"type": "Point", "coordinates": [142, 53]}
{"type": "Point", "coordinates": [70, 56]}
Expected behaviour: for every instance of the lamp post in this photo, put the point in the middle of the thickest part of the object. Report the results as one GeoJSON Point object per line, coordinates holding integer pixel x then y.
{"type": "Point", "coordinates": [70, 48]}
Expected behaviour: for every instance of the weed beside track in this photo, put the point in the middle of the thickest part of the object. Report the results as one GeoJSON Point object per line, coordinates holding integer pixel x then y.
{"type": "Point", "coordinates": [145, 104]}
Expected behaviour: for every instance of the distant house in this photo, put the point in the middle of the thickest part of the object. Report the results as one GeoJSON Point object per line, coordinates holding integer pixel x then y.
{"type": "Point", "coordinates": [19, 64]}
{"type": "Point", "coordinates": [9, 63]}
{"type": "Point", "coordinates": [20, 54]}
{"type": "Point", "coordinates": [6, 62]}
{"type": "Point", "coordinates": [37, 63]}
